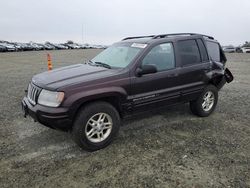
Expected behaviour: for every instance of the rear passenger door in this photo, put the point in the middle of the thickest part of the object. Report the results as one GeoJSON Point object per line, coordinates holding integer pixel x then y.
{"type": "Point", "coordinates": [194, 63]}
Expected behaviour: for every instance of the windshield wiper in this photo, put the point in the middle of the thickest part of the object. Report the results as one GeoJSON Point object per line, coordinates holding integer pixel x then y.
{"type": "Point", "coordinates": [103, 65]}
{"type": "Point", "coordinates": [90, 62]}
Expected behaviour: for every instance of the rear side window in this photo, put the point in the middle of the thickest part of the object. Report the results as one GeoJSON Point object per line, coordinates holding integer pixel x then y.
{"type": "Point", "coordinates": [203, 51]}
{"type": "Point", "coordinates": [213, 51]}
{"type": "Point", "coordinates": [189, 52]}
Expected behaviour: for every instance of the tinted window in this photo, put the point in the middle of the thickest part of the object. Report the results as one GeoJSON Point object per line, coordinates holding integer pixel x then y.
{"type": "Point", "coordinates": [203, 52]}
{"type": "Point", "coordinates": [162, 56]}
{"type": "Point", "coordinates": [189, 52]}
{"type": "Point", "coordinates": [213, 50]}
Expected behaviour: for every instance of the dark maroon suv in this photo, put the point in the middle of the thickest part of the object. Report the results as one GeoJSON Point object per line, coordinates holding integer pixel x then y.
{"type": "Point", "coordinates": [136, 74]}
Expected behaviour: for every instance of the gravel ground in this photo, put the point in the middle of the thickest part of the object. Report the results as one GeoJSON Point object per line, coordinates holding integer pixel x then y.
{"type": "Point", "coordinates": [171, 148]}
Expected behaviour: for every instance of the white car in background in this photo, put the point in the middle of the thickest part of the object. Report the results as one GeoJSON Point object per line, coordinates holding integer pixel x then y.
{"type": "Point", "coordinates": [245, 49]}
{"type": "Point", "coordinates": [229, 49]}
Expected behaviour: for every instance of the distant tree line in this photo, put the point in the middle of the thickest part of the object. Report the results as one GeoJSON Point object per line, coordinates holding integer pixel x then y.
{"type": "Point", "coordinates": [247, 44]}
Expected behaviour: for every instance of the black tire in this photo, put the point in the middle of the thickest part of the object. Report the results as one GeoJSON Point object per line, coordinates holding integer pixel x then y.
{"type": "Point", "coordinates": [196, 105]}
{"type": "Point", "coordinates": [82, 118]}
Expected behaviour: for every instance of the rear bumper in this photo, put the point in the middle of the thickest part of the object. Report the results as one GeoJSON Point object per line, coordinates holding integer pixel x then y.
{"type": "Point", "coordinates": [55, 118]}
{"type": "Point", "coordinates": [227, 78]}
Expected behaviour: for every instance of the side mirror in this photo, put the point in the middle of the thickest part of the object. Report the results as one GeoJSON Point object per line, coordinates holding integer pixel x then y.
{"type": "Point", "coordinates": [146, 69]}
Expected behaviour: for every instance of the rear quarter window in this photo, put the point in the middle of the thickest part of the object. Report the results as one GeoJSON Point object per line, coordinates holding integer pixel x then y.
{"type": "Point", "coordinates": [213, 49]}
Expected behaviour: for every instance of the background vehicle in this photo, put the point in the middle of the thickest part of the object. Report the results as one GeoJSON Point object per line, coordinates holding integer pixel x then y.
{"type": "Point", "coordinates": [73, 46]}
{"type": "Point", "coordinates": [58, 46]}
{"type": "Point", "coordinates": [82, 46]}
{"type": "Point", "coordinates": [10, 47]}
{"type": "Point", "coordinates": [3, 48]}
{"type": "Point", "coordinates": [49, 46]}
{"type": "Point", "coordinates": [238, 49]}
{"type": "Point", "coordinates": [70, 46]}
{"type": "Point", "coordinates": [40, 46]}
{"type": "Point", "coordinates": [245, 49]}
{"type": "Point", "coordinates": [18, 46]}
{"type": "Point", "coordinates": [36, 46]}
{"type": "Point", "coordinates": [229, 49]}
{"type": "Point", "coordinates": [131, 76]}
{"type": "Point", "coordinates": [28, 47]}
{"type": "Point", "coordinates": [98, 46]}
{"type": "Point", "coordinates": [63, 46]}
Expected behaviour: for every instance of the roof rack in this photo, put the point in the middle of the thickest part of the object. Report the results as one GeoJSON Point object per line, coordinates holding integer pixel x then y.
{"type": "Point", "coordinates": [168, 35]}
{"type": "Point", "coordinates": [181, 34]}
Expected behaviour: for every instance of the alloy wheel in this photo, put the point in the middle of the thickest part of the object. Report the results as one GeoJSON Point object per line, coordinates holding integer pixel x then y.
{"type": "Point", "coordinates": [98, 127]}
{"type": "Point", "coordinates": [208, 101]}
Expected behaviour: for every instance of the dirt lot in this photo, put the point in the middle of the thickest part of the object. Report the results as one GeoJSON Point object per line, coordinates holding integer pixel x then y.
{"type": "Point", "coordinates": [168, 149]}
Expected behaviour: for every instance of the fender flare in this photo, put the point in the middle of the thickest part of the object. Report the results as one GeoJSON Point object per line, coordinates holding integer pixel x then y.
{"type": "Point", "coordinates": [78, 99]}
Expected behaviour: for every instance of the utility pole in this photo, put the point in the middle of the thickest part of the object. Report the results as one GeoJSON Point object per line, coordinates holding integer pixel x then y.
{"type": "Point", "coordinates": [86, 59]}
{"type": "Point", "coordinates": [82, 43]}
{"type": "Point", "coordinates": [82, 33]}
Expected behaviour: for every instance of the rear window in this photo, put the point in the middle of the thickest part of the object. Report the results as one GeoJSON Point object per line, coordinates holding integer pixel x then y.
{"type": "Point", "coordinates": [189, 52]}
{"type": "Point", "coordinates": [213, 50]}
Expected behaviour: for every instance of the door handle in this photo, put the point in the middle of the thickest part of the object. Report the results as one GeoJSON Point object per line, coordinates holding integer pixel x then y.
{"type": "Point", "coordinates": [172, 75]}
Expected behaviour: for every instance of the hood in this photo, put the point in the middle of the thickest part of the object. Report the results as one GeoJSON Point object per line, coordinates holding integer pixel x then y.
{"type": "Point", "coordinates": [69, 75]}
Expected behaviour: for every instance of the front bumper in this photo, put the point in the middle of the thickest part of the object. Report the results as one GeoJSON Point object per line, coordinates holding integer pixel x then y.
{"type": "Point", "coordinates": [55, 118]}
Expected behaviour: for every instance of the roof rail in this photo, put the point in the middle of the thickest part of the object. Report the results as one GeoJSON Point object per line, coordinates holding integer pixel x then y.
{"type": "Point", "coordinates": [168, 35]}
{"type": "Point", "coordinates": [138, 37]}
{"type": "Point", "coordinates": [180, 34]}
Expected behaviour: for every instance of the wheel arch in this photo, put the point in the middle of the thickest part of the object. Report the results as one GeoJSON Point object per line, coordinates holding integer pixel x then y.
{"type": "Point", "coordinates": [218, 81]}
{"type": "Point", "coordinates": [114, 98]}
{"type": "Point", "coordinates": [216, 78]}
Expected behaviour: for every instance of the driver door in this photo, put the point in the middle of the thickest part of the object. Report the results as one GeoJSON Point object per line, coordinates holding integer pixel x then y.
{"type": "Point", "coordinates": [160, 87]}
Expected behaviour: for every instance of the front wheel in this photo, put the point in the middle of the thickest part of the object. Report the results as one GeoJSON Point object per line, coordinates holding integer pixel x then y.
{"type": "Point", "coordinates": [96, 125]}
{"type": "Point", "coordinates": [206, 102]}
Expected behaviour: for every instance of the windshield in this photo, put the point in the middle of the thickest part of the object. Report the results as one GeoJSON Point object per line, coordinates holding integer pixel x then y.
{"type": "Point", "coordinates": [117, 55]}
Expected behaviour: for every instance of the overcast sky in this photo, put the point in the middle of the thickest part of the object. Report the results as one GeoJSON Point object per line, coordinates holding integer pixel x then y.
{"type": "Point", "coordinates": [105, 22]}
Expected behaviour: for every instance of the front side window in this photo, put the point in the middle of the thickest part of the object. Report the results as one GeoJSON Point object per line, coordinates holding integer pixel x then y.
{"type": "Point", "coordinates": [162, 56]}
{"type": "Point", "coordinates": [118, 55]}
{"type": "Point", "coordinates": [189, 52]}
{"type": "Point", "coordinates": [213, 51]}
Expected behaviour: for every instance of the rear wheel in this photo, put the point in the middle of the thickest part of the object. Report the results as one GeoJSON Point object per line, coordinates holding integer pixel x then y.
{"type": "Point", "coordinates": [206, 102]}
{"type": "Point", "coordinates": [96, 125]}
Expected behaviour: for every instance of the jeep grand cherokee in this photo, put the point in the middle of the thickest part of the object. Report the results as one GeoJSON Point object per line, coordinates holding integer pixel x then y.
{"type": "Point", "coordinates": [133, 75]}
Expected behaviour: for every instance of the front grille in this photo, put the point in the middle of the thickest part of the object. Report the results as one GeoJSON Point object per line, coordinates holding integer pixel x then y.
{"type": "Point", "coordinates": [33, 92]}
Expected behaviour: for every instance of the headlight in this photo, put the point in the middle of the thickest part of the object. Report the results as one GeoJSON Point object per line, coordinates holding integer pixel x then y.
{"type": "Point", "coordinates": [50, 98]}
